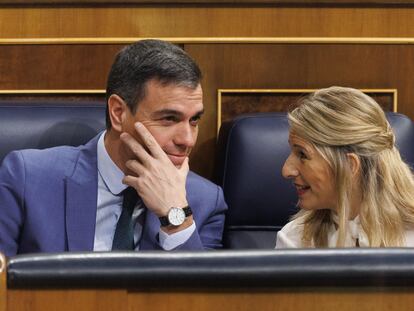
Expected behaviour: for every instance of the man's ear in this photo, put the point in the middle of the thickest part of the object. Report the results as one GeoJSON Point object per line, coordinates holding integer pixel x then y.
{"type": "Point", "coordinates": [117, 110]}
{"type": "Point", "coordinates": [354, 163]}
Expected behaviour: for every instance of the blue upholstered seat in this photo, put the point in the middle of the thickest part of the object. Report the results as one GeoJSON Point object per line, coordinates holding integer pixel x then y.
{"type": "Point", "coordinates": [43, 124]}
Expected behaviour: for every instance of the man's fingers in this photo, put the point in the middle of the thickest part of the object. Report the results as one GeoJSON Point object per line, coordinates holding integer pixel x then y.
{"type": "Point", "coordinates": [131, 181]}
{"type": "Point", "coordinates": [135, 167]}
{"type": "Point", "coordinates": [149, 141]}
{"type": "Point", "coordinates": [136, 148]}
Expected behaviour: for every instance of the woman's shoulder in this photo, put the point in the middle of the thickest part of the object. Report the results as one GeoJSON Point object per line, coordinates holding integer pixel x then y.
{"type": "Point", "coordinates": [290, 236]}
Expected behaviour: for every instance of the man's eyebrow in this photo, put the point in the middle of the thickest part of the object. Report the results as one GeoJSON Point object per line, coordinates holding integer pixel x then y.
{"type": "Point", "coordinates": [199, 113]}
{"type": "Point", "coordinates": [164, 112]}
{"type": "Point", "coordinates": [172, 112]}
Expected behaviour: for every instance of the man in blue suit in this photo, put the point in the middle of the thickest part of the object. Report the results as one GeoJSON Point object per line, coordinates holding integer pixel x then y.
{"type": "Point", "coordinates": [76, 198]}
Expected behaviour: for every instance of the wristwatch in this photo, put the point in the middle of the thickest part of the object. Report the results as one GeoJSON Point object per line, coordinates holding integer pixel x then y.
{"type": "Point", "coordinates": [176, 216]}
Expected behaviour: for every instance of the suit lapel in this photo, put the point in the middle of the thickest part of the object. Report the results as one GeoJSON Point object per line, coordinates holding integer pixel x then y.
{"type": "Point", "coordinates": [81, 199]}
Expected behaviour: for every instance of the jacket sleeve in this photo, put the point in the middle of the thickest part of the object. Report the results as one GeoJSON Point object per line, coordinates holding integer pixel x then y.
{"type": "Point", "coordinates": [208, 234]}
{"type": "Point", "coordinates": [12, 187]}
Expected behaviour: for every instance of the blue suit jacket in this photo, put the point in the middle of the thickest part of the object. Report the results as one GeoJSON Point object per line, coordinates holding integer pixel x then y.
{"type": "Point", "coordinates": [48, 202]}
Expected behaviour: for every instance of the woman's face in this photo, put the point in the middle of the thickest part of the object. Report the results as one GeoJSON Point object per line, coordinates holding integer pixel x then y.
{"type": "Point", "coordinates": [311, 175]}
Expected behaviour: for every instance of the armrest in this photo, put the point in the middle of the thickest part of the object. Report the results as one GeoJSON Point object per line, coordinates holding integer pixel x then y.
{"type": "Point", "coordinates": [234, 269]}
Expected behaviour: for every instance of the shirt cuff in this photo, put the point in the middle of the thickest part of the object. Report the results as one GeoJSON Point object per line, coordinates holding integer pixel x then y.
{"type": "Point", "coordinates": [171, 241]}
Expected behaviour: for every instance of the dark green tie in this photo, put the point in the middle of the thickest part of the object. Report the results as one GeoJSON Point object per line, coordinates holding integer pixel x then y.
{"type": "Point", "coordinates": [124, 232]}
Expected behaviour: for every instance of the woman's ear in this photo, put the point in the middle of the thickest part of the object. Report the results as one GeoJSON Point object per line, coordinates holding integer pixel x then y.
{"type": "Point", "coordinates": [354, 163]}
{"type": "Point", "coordinates": [117, 110]}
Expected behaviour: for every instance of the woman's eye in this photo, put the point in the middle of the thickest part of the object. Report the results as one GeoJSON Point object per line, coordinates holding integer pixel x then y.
{"type": "Point", "coordinates": [302, 155]}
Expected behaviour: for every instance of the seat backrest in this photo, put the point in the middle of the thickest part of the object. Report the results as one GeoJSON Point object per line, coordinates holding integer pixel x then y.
{"type": "Point", "coordinates": [43, 124]}
{"type": "Point", "coordinates": [251, 152]}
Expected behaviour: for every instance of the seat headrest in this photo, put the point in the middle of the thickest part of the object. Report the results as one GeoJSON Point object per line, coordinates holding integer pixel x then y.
{"type": "Point", "coordinates": [44, 124]}
{"type": "Point", "coordinates": [252, 151]}
{"type": "Point", "coordinates": [403, 129]}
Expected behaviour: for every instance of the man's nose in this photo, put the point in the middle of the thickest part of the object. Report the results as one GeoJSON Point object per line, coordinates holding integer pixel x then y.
{"type": "Point", "coordinates": [186, 136]}
{"type": "Point", "coordinates": [289, 169]}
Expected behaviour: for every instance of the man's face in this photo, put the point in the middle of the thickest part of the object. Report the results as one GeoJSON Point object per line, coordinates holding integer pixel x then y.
{"type": "Point", "coordinates": [171, 113]}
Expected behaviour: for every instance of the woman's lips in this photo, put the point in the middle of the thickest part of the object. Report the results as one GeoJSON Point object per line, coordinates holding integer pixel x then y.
{"type": "Point", "coordinates": [301, 189]}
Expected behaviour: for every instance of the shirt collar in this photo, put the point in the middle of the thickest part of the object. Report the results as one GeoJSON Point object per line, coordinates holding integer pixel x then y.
{"type": "Point", "coordinates": [108, 170]}
{"type": "Point", "coordinates": [354, 232]}
{"type": "Point", "coordinates": [353, 222]}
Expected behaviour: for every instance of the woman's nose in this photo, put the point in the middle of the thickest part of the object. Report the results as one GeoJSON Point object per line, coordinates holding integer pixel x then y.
{"type": "Point", "coordinates": [289, 169]}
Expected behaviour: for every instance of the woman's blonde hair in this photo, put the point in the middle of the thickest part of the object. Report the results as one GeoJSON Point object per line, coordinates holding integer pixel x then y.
{"type": "Point", "coordinates": [338, 121]}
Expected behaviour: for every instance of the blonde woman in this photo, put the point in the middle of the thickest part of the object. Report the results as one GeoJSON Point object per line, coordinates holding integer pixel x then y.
{"type": "Point", "coordinates": [354, 189]}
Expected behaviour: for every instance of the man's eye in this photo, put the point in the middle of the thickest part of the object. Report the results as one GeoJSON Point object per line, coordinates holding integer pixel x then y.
{"type": "Point", "coordinates": [170, 119]}
{"type": "Point", "coordinates": [194, 121]}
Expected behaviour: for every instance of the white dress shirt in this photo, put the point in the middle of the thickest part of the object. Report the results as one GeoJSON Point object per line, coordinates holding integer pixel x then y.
{"type": "Point", "coordinates": [290, 236]}
{"type": "Point", "coordinates": [109, 207]}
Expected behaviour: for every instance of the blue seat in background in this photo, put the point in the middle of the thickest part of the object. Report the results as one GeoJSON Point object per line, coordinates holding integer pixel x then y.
{"type": "Point", "coordinates": [43, 124]}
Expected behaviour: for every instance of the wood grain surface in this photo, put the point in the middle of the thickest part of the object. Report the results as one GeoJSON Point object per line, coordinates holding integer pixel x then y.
{"type": "Point", "coordinates": [166, 20]}
{"type": "Point", "coordinates": [338, 299]}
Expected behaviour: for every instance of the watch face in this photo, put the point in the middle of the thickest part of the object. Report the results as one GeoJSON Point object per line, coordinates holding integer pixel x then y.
{"type": "Point", "coordinates": [176, 216]}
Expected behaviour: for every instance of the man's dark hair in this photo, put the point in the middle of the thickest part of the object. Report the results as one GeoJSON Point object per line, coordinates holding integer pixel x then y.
{"type": "Point", "coordinates": [145, 60]}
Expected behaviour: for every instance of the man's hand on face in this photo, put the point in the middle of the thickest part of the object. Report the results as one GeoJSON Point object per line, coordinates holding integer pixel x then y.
{"type": "Point", "coordinates": [158, 182]}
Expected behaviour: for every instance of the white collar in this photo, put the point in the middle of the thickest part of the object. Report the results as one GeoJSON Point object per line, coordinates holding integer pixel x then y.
{"type": "Point", "coordinates": [354, 232]}
{"type": "Point", "coordinates": [111, 174]}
